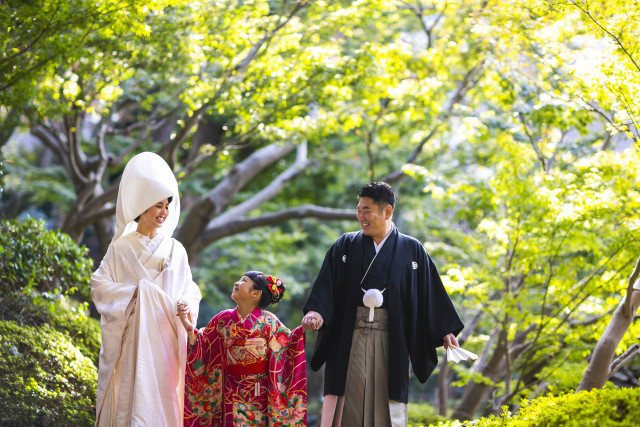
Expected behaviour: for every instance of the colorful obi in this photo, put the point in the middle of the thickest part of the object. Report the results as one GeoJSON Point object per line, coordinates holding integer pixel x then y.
{"type": "Point", "coordinates": [246, 356]}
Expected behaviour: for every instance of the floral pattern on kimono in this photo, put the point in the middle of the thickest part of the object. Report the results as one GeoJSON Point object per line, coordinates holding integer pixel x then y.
{"type": "Point", "coordinates": [246, 372]}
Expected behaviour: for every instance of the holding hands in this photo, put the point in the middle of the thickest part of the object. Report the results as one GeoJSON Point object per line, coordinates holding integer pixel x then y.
{"type": "Point", "coordinates": [185, 315]}
{"type": "Point", "coordinates": [312, 321]}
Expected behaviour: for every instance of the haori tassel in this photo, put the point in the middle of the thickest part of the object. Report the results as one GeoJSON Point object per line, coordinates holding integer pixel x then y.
{"type": "Point", "coordinates": [372, 298]}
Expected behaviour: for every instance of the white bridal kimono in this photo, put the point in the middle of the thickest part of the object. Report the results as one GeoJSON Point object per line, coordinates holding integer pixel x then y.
{"type": "Point", "coordinates": [136, 289]}
{"type": "Point", "coordinates": [143, 356]}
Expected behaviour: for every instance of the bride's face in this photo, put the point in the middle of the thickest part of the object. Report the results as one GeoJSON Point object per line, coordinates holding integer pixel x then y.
{"type": "Point", "coordinates": [156, 215]}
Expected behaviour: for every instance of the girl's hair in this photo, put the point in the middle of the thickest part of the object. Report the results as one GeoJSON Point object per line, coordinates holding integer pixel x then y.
{"type": "Point", "coordinates": [272, 288]}
{"type": "Point", "coordinates": [138, 217]}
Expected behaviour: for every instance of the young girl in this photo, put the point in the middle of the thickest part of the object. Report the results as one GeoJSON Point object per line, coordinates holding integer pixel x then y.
{"type": "Point", "coordinates": [245, 368]}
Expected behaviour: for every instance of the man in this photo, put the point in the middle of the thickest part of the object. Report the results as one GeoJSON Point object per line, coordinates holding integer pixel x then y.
{"type": "Point", "coordinates": [367, 360]}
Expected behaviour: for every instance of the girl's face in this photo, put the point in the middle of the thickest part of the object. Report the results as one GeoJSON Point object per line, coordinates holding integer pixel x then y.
{"type": "Point", "coordinates": [156, 215]}
{"type": "Point", "coordinates": [243, 291]}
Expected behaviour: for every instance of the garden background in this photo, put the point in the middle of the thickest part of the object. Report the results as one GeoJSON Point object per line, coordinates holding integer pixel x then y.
{"type": "Point", "coordinates": [508, 129]}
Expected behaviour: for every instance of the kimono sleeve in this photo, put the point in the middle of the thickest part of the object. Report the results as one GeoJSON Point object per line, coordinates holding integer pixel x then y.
{"type": "Point", "coordinates": [442, 316]}
{"type": "Point", "coordinates": [435, 317]}
{"type": "Point", "coordinates": [322, 296]}
{"type": "Point", "coordinates": [111, 296]}
{"type": "Point", "coordinates": [204, 378]}
{"type": "Point", "coordinates": [287, 377]}
{"type": "Point", "coordinates": [191, 293]}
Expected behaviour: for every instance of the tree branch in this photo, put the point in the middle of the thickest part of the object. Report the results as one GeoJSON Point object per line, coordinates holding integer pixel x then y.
{"type": "Point", "coordinates": [49, 140]}
{"type": "Point", "coordinates": [625, 357]}
{"type": "Point", "coordinates": [107, 195]}
{"type": "Point", "coordinates": [627, 309]}
{"type": "Point", "coordinates": [615, 38]}
{"type": "Point", "coordinates": [238, 225]}
{"type": "Point", "coordinates": [217, 200]}
{"type": "Point", "coordinates": [470, 79]}
{"type": "Point", "coordinates": [84, 220]}
{"type": "Point", "coordinates": [600, 365]}
{"type": "Point", "coordinates": [267, 192]}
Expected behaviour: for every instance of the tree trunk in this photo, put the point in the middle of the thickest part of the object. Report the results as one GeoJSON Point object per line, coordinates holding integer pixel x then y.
{"type": "Point", "coordinates": [476, 394]}
{"type": "Point", "coordinates": [444, 377]}
{"type": "Point", "coordinates": [599, 369]}
{"type": "Point", "coordinates": [443, 389]}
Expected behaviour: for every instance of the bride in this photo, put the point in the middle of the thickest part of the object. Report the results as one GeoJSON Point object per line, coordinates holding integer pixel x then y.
{"type": "Point", "coordinates": [143, 275]}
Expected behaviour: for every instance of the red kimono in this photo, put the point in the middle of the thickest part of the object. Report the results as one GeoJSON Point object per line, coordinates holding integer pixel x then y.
{"type": "Point", "coordinates": [246, 372]}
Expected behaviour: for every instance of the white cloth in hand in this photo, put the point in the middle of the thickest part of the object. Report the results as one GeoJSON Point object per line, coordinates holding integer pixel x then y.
{"type": "Point", "coordinates": [457, 354]}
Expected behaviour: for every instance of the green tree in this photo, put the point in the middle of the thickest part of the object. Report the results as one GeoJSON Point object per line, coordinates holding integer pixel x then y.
{"type": "Point", "coordinates": [516, 125]}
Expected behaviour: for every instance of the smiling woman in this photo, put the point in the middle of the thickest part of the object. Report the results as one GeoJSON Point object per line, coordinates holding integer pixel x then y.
{"type": "Point", "coordinates": [140, 280]}
{"type": "Point", "coordinates": [153, 218]}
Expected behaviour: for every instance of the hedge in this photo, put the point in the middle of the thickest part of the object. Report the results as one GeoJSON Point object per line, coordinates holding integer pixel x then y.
{"type": "Point", "coordinates": [599, 407]}
{"type": "Point", "coordinates": [44, 378]}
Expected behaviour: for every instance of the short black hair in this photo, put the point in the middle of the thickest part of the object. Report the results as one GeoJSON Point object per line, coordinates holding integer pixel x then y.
{"type": "Point", "coordinates": [261, 283]}
{"type": "Point", "coordinates": [380, 192]}
{"type": "Point", "coordinates": [138, 217]}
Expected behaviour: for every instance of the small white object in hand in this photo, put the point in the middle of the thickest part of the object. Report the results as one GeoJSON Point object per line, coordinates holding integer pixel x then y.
{"type": "Point", "coordinates": [457, 354]}
{"type": "Point", "coordinates": [372, 298]}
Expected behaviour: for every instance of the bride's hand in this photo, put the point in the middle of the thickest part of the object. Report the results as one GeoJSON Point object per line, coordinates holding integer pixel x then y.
{"type": "Point", "coordinates": [185, 315]}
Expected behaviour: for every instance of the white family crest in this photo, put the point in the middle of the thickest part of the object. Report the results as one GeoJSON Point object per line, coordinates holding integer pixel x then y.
{"type": "Point", "coordinates": [414, 265]}
{"type": "Point", "coordinates": [344, 258]}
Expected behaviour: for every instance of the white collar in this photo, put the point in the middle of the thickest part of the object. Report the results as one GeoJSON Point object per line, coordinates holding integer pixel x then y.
{"type": "Point", "coordinates": [378, 246]}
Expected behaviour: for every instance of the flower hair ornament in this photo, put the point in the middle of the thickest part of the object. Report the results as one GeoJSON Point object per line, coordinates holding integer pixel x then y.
{"type": "Point", "coordinates": [274, 288]}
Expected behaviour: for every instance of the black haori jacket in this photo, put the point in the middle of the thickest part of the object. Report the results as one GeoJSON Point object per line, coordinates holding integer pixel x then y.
{"type": "Point", "coordinates": [419, 308]}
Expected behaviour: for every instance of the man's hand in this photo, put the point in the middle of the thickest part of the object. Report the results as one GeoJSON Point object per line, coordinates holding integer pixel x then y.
{"type": "Point", "coordinates": [450, 341]}
{"type": "Point", "coordinates": [312, 321]}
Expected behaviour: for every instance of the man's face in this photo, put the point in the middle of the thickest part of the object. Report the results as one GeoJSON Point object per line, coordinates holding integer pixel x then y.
{"type": "Point", "coordinates": [372, 218]}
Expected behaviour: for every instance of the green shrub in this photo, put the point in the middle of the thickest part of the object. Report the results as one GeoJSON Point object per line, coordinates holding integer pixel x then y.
{"type": "Point", "coordinates": [82, 330]}
{"type": "Point", "coordinates": [33, 258]}
{"type": "Point", "coordinates": [44, 378]}
{"type": "Point", "coordinates": [39, 268]}
{"type": "Point", "coordinates": [599, 407]}
{"type": "Point", "coordinates": [423, 414]}
{"type": "Point", "coordinates": [49, 347]}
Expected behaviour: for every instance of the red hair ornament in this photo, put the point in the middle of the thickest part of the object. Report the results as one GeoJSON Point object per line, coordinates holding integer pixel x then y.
{"type": "Point", "coordinates": [274, 287]}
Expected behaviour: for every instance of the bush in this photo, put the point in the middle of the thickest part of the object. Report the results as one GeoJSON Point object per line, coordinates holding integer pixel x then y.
{"type": "Point", "coordinates": [82, 330]}
{"type": "Point", "coordinates": [423, 414]}
{"type": "Point", "coordinates": [49, 347]}
{"type": "Point", "coordinates": [44, 378]}
{"type": "Point", "coordinates": [39, 268]}
{"type": "Point", "coordinates": [599, 407]}
{"type": "Point", "coordinates": [33, 258]}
